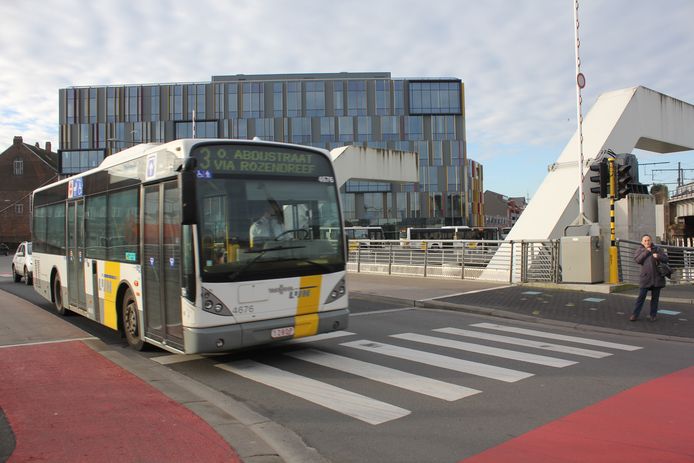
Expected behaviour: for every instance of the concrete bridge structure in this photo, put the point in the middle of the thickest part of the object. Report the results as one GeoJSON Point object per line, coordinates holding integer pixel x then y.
{"type": "Point", "coordinates": [622, 120]}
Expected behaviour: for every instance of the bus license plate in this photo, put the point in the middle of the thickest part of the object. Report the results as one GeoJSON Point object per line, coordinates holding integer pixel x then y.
{"type": "Point", "coordinates": [282, 332]}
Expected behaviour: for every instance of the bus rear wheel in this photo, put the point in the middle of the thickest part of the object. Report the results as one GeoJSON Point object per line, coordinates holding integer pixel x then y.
{"type": "Point", "coordinates": [58, 296]}
{"type": "Point", "coordinates": [131, 325]}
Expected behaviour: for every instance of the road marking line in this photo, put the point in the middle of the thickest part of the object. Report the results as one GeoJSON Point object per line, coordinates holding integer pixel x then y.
{"type": "Point", "coordinates": [332, 397]}
{"type": "Point", "coordinates": [56, 341]}
{"type": "Point", "coordinates": [561, 337]}
{"type": "Point", "coordinates": [386, 375]}
{"type": "Point", "coordinates": [319, 337]}
{"type": "Point", "coordinates": [486, 350]}
{"type": "Point", "coordinates": [526, 342]}
{"type": "Point", "coordinates": [441, 361]}
{"type": "Point", "coordinates": [465, 293]}
{"type": "Point", "coordinates": [593, 299]}
{"type": "Point", "coordinates": [668, 312]}
{"type": "Point", "coordinates": [375, 312]}
{"type": "Point", "coordinates": [531, 293]}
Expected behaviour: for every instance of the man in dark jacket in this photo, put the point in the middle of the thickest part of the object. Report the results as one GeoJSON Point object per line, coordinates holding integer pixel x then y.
{"type": "Point", "coordinates": [647, 256]}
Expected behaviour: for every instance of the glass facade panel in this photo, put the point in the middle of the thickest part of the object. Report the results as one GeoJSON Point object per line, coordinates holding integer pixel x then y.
{"type": "Point", "coordinates": [364, 130]}
{"type": "Point", "coordinates": [176, 103]}
{"type": "Point", "coordinates": [294, 99]}
{"type": "Point", "coordinates": [345, 127]}
{"type": "Point", "coordinates": [111, 105]}
{"type": "Point", "coordinates": [390, 128]}
{"type": "Point", "coordinates": [382, 97]}
{"type": "Point", "coordinates": [435, 97]}
{"type": "Point", "coordinates": [414, 128]}
{"type": "Point", "coordinates": [338, 97]}
{"type": "Point", "coordinates": [356, 98]}
{"type": "Point", "coordinates": [253, 99]}
{"type": "Point", "coordinates": [277, 99]}
{"type": "Point", "coordinates": [265, 129]}
{"type": "Point", "coordinates": [301, 130]}
{"type": "Point", "coordinates": [233, 101]}
{"type": "Point", "coordinates": [327, 129]}
{"type": "Point", "coordinates": [155, 102]}
{"type": "Point", "coordinates": [315, 98]}
{"type": "Point", "coordinates": [132, 99]}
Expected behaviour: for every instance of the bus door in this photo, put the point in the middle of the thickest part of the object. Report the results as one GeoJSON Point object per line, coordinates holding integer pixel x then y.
{"type": "Point", "coordinates": [75, 254]}
{"type": "Point", "coordinates": [161, 265]}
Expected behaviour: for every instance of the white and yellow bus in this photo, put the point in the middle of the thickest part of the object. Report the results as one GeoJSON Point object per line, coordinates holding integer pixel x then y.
{"type": "Point", "coordinates": [156, 243]}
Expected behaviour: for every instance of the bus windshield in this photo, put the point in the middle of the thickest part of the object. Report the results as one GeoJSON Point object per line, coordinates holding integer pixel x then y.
{"type": "Point", "coordinates": [254, 227]}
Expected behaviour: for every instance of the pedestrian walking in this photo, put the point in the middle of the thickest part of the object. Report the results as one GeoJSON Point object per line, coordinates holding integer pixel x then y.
{"type": "Point", "coordinates": [647, 256]}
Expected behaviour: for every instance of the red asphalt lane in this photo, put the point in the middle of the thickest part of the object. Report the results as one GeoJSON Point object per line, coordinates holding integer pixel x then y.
{"type": "Point", "coordinates": [652, 422]}
{"type": "Point", "coordinates": [67, 403]}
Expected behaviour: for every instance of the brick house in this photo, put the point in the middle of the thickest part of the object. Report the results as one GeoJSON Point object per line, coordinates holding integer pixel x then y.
{"type": "Point", "coordinates": [23, 168]}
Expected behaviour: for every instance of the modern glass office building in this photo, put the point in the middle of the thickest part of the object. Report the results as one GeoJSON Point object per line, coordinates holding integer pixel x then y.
{"type": "Point", "coordinates": [424, 115]}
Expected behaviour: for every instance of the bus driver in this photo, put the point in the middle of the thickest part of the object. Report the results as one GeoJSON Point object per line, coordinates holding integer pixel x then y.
{"type": "Point", "coordinates": [270, 225]}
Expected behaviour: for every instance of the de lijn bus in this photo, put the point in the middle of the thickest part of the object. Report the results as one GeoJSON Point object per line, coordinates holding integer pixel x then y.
{"type": "Point", "coordinates": [170, 245]}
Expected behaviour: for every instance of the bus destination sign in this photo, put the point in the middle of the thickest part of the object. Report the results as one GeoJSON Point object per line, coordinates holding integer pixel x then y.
{"type": "Point", "coordinates": [238, 159]}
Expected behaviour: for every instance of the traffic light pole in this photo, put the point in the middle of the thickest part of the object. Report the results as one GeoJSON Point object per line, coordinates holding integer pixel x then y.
{"type": "Point", "coordinates": [614, 273]}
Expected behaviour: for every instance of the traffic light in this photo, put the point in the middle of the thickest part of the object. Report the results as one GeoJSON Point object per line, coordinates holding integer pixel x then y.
{"type": "Point", "coordinates": [624, 179]}
{"type": "Point", "coordinates": [602, 179]}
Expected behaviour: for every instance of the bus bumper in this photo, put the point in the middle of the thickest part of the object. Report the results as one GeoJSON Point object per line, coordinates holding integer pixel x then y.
{"type": "Point", "coordinates": [230, 337]}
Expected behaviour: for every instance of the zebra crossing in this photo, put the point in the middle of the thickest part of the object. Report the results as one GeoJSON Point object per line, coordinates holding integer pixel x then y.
{"type": "Point", "coordinates": [457, 341]}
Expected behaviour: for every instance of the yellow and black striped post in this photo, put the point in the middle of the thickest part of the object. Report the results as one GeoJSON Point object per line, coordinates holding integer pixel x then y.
{"type": "Point", "coordinates": [614, 273]}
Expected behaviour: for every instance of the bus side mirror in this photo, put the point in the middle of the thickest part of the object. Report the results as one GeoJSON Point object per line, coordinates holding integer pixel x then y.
{"type": "Point", "coordinates": [188, 193]}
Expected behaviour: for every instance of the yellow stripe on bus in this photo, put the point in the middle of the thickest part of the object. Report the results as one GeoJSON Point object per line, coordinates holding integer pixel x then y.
{"type": "Point", "coordinates": [110, 284]}
{"type": "Point", "coordinates": [306, 321]}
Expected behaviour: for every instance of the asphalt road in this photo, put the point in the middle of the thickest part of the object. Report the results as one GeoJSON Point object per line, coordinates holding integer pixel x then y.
{"type": "Point", "coordinates": [369, 406]}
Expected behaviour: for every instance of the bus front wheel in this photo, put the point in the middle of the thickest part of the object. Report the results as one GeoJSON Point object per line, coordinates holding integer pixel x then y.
{"type": "Point", "coordinates": [131, 324]}
{"type": "Point", "coordinates": [58, 296]}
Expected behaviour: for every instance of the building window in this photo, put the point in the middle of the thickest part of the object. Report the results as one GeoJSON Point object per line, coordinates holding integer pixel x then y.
{"type": "Point", "coordinates": [443, 127]}
{"type": "Point", "coordinates": [265, 129]}
{"type": "Point", "coordinates": [390, 128]}
{"type": "Point", "coordinates": [433, 97]}
{"type": "Point", "coordinates": [253, 99]}
{"type": "Point", "coordinates": [203, 129]}
{"type": "Point", "coordinates": [111, 104]}
{"type": "Point", "coordinates": [364, 129]}
{"type": "Point", "coordinates": [74, 162]}
{"type": "Point", "coordinates": [301, 130]}
{"type": "Point", "coordinates": [315, 98]}
{"type": "Point", "coordinates": [277, 95]}
{"type": "Point", "coordinates": [233, 100]}
{"type": "Point", "coordinates": [356, 98]}
{"type": "Point", "coordinates": [19, 209]}
{"type": "Point", "coordinates": [155, 100]}
{"type": "Point", "coordinates": [327, 129]}
{"type": "Point", "coordinates": [132, 104]}
{"type": "Point", "coordinates": [338, 97]}
{"type": "Point", "coordinates": [18, 166]}
{"type": "Point", "coordinates": [345, 126]}
{"type": "Point", "coordinates": [382, 97]}
{"type": "Point", "coordinates": [196, 101]}
{"type": "Point", "coordinates": [293, 99]}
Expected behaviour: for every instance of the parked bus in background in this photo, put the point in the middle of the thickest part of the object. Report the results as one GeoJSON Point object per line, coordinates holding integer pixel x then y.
{"type": "Point", "coordinates": [197, 245]}
{"type": "Point", "coordinates": [364, 233]}
{"type": "Point", "coordinates": [434, 235]}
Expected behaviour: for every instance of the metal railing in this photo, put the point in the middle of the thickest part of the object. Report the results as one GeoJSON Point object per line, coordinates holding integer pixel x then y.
{"type": "Point", "coordinates": [509, 261]}
{"type": "Point", "coordinates": [680, 260]}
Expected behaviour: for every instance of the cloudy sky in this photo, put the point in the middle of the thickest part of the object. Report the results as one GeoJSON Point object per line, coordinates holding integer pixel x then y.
{"type": "Point", "coordinates": [516, 58]}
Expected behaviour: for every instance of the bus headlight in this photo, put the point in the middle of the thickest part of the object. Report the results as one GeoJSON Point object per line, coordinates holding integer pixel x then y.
{"type": "Point", "coordinates": [337, 292]}
{"type": "Point", "coordinates": [213, 305]}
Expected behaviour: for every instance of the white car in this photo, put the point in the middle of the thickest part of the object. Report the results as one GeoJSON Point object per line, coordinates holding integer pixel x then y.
{"type": "Point", "coordinates": [23, 263]}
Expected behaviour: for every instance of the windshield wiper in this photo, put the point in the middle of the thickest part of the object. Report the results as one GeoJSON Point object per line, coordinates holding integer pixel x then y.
{"type": "Point", "coordinates": [325, 267]}
{"type": "Point", "coordinates": [261, 253]}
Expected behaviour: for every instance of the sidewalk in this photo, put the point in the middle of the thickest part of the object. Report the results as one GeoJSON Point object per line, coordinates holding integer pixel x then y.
{"type": "Point", "coordinates": [64, 398]}
{"type": "Point", "coordinates": [597, 309]}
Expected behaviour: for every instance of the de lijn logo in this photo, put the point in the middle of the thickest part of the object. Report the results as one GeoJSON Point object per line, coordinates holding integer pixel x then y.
{"type": "Point", "coordinates": [293, 293]}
